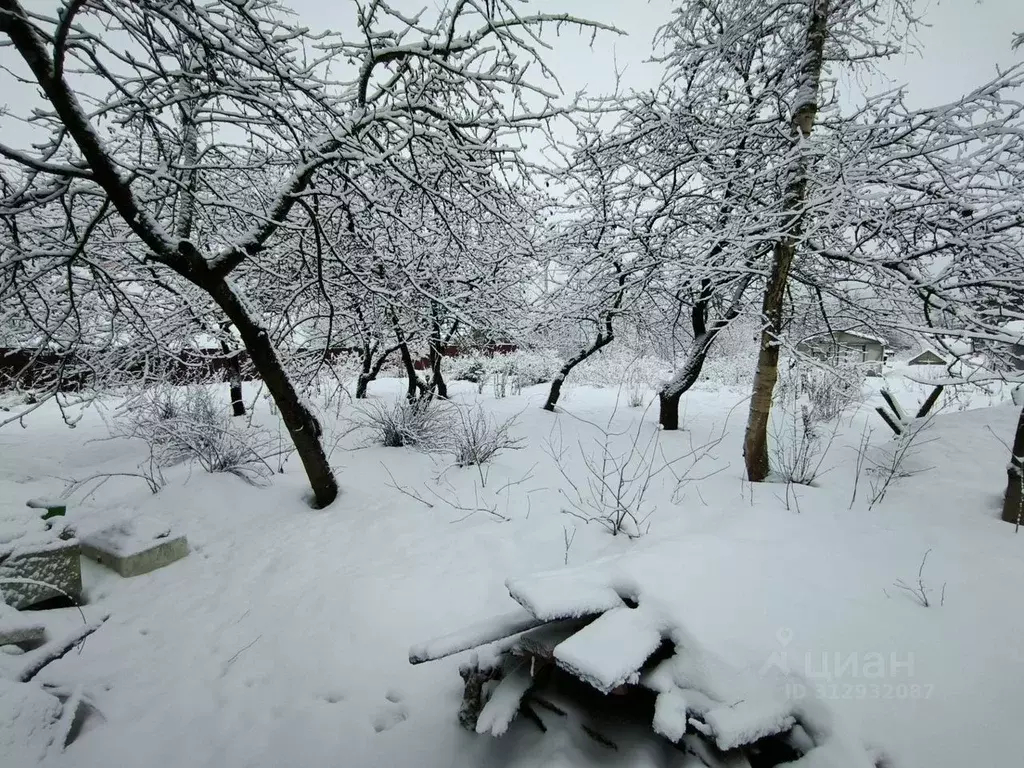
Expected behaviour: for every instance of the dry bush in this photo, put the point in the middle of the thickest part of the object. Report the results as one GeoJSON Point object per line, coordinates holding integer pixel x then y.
{"type": "Point", "coordinates": [183, 425]}
{"type": "Point", "coordinates": [478, 438]}
{"type": "Point", "coordinates": [420, 423]}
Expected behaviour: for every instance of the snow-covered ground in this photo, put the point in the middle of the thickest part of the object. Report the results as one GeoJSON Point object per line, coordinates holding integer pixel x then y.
{"type": "Point", "coordinates": [283, 638]}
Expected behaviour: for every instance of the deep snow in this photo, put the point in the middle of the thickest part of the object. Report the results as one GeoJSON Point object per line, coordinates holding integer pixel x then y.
{"type": "Point", "coordinates": [283, 638]}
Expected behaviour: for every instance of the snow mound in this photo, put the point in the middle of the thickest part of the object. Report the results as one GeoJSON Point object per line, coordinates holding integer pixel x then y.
{"type": "Point", "coordinates": [27, 717]}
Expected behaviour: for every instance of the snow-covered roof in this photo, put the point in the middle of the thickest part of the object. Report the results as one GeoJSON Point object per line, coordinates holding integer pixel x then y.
{"type": "Point", "coordinates": [927, 351]}
{"type": "Point", "coordinates": [860, 334]}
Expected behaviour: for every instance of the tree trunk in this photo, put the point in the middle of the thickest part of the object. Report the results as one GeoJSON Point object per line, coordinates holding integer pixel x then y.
{"type": "Point", "coordinates": [234, 378]}
{"type": "Point", "coordinates": [437, 382]}
{"type": "Point", "coordinates": [362, 383]}
{"type": "Point", "coordinates": [805, 110]}
{"type": "Point", "coordinates": [235, 390]}
{"type": "Point", "coordinates": [1013, 501]}
{"type": "Point", "coordinates": [755, 443]}
{"type": "Point", "coordinates": [668, 409]}
{"type": "Point", "coordinates": [415, 385]}
{"type": "Point", "coordinates": [371, 369]}
{"type": "Point", "coordinates": [704, 338]}
{"type": "Point", "coordinates": [603, 340]}
{"type": "Point", "coordinates": [302, 426]}
{"type": "Point", "coordinates": [437, 378]}
{"type": "Point", "coordinates": [364, 375]}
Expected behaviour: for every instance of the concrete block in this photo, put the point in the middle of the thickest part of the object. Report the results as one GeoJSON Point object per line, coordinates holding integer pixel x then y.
{"type": "Point", "coordinates": [33, 572]}
{"type": "Point", "coordinates": [16, 628]}
{"type": "Point", "coordinates": [134, 548]}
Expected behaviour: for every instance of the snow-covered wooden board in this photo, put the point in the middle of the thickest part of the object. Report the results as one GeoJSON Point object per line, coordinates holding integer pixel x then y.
{"type": "Point", "coordinates": [542, 641]}
{"type": "Point", "coordinates": [610, 650]}
{"type": "Point", "coordinates": [473, 636]}
{"type": "Point", "coordinates": [558, 595]}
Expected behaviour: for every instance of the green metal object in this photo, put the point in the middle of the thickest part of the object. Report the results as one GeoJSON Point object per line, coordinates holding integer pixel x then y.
{"type": "Point", "coordinates": [52, 507]}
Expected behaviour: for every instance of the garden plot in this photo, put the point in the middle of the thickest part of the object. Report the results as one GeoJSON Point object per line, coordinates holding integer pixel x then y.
{"type": "Point", "coordinates": [284, 635]}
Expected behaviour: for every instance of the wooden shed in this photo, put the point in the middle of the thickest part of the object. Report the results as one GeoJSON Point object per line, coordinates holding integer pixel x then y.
{"type": "Point", "coordinates": [849, 347]}
{"type": "Point", "coordinates": [927, 357]}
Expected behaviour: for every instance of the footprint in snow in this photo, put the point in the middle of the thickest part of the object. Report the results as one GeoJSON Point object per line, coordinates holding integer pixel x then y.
{"type": "Point", "coordinates": [392, 713]}
{"type": "Point", "coordinates": [332, 697]}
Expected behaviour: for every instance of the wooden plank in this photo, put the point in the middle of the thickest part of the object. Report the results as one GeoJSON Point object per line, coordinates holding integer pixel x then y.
{"type": "Point", "coordinates": [475, 635]}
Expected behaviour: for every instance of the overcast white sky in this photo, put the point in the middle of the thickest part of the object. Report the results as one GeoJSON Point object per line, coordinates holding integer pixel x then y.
{"type": "Point", "coordinates": [961, 46]}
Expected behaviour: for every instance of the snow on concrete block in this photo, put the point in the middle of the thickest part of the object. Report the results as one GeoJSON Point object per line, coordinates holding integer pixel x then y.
{"type": "Point", "coordinates": [36, 571]}
{"type": "Point", "coordinates": [135, 547]}
{"type": "Point", "coordinates": [18, 628]}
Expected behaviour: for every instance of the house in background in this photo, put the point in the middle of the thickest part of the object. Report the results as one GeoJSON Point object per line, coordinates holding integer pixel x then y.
{"type": "Point", "coordinates": [927, 357]}
{"type": "Point", "coordinates": [848, 348]}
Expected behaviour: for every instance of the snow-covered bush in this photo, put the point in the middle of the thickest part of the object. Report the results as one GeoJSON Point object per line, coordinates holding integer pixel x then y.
{"type": "Point", "coordinates": [472, 368]}
{"type": "Point", "coordinates": [505, 381]}
{"type": "Point", "coordinates": [401, 423]}
{"type": "Point", "coordinates": [807, 400]}
{"type": "Point", "coordinates": [187, 424]}
{"type": "Point", "coordinates": [618, 366]}
{"type": "Point", "coordinates": [534, 366]}
{"type": "Point", "coordinates": [478, 437]}
{"type": "Point", "coordinates": [830, 391]}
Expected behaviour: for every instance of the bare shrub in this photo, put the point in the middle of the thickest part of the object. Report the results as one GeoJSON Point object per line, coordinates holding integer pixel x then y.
{"type": "Point", "coordinates": [620, 468]}
{"type": "Point", "coordinates": [478, 438]}
{"type": "Point", "coordinates": [503, 378]}
{"type": "Point", "coordinates": [406, 423]}
{"type": "Point", "coordinates": [806, 402]}
{"type": "Point", "coordinates": [920, 592]}
{"type": "Point", "coordinates": [892, 464]}
{"type": "Point", "coordinates": [187, 425]}
{"type": "Point", "coordinates": [800, 447]}
{"type": "Point", "coordinates": [831, 391]}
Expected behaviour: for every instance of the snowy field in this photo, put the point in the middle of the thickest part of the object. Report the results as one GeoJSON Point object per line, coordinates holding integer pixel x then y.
{"type": "Point", "coordinates": [283, 638]}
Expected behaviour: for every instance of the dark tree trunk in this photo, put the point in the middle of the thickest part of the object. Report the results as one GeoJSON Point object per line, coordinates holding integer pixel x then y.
{"type": "Point", "coordinates": [234, 368]}
{"type": "Point", "coordinates": [362, 383]}
{"type": "Point", "coordinates": [415, 385]}
{"type": "Point", "coordinates": [1013, 501]}
{"type": "Point", "coordinates": [302, 426]}
{"type": "Point", "coordinates": [672, 392]}
{"type": "Point", "coordinates": [365, 375]}
{"type": "Point", "coordinates": [704, 338]}
{"type": "Point", "coordinates": [755, 441]}
{"type": "Point", "coordinates": [371, 369]}
{"type": "Point", "coordinates": [437, 378]}
{"type": "Point", "coordinates": [668, 409]}
{"type": "Point", "coordinates": [602, 340]}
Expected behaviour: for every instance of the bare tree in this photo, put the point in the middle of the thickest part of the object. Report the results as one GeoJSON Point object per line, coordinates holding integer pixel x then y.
{"type": "Point", "coordinates": [263, 93]}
